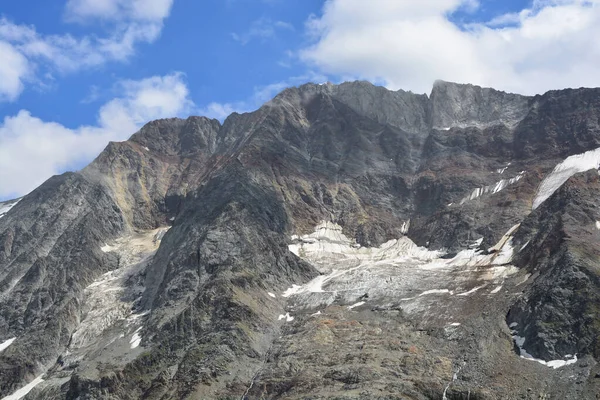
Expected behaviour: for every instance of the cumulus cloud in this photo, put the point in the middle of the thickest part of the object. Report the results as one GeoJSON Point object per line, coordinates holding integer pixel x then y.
{"type": "Point", "coordinates": [408, 45]}
{"type": "Point", "coordinates": [13, 69]}
{"type": "Point", "coordinates": [31, 150]}
{"type": "Point", "coordinates": [28, 55]}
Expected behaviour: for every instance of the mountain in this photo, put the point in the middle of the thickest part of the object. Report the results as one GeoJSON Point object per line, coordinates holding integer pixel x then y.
{"type": "Point", "coordinates": [341, 242]}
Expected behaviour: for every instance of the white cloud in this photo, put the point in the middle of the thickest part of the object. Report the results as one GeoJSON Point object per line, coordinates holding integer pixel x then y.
{"type": "Point", "coordinates": [14, 68]}
{"type": "Point", "coordinates": [31, 150]}
{"type": "Point", "coordinates": [28, 55]}
{"type": "Point", "coordinates": [410, 44]}
{"type": "Point", "coordinates": [150, 10]}
{"type": "Point", "coordinates": [221, 111]}
{"type": "Point", "coordinates": [262, 28]}
{"type": "Point", "coordinates": [66, 53]}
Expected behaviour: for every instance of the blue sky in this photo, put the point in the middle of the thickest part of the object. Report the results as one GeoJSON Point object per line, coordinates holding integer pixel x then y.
{"type": "Point", "coordinates": [82, 72]}
{"type": "Point", "coordinates": [197, 39]}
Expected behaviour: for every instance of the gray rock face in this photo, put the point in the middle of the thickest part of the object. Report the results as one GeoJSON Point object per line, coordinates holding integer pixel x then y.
{"type": "Point", "coordinates": [201, 311]}
{"type": "Point", "coordinates": [49, 251]}
{"type": "Point", "coordinates": [556, 315]}
{"type": "Point", "coordinates": [176, 137]}
{"type": "Point", "coordinates": [463, 106]}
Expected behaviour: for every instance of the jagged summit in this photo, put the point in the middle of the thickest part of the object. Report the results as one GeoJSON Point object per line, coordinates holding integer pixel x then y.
{"type": "Point", "coordinates": [449, 104]}
{"type": "Point", "coordinates": [342, 241]}
{"type": "Point", "coordinates": [179, 136]}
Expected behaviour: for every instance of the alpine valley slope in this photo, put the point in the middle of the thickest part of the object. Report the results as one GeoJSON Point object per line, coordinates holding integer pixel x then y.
{"type": "Point", "coordinates": [341, 242]}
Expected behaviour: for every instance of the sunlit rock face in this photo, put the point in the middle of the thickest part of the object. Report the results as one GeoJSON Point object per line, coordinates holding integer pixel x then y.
{"type": "Point", "coordinates": [341, 242]}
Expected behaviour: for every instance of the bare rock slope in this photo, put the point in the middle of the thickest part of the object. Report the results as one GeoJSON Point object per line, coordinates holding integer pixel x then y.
{"type": "Point", "coordinates": [341, 242]}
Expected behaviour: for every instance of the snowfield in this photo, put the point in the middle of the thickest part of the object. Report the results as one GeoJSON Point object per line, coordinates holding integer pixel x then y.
{"type": "Point", "coordinates": [398, 271]}
{"type": "Point", "coordinates": [562, 172]}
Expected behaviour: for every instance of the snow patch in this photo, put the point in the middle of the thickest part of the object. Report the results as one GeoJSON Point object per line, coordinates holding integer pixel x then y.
{"type": "Point", "coordinates": [455, 324]}
{"type": "Point", "coordinates": [435, 291]}
{"type": "Point", "coordinates": [287, 317]}
{"type": "Point", "coordinates": [405, 227]}
{"type": "Point", "coordinates": [360, 303]}
{"type": "Point", "coordinates": [135, 317]}
{"type": "Point", "coordinates": [476, 243]}
{"type": "Point", "coordinates": [520, 342]}
{"type": "Point", "coordinates": [471, 291]}
{"type": "Point", "coordinates": [598, 225]}
{"type": "Point", "coordinates": [110, 300]}
{"type": "Point", "coordinates": [6, 206]}
{"type": "Point", "coordinates": [563, 171]}
{"type": "Point", "coordinates": [107, 249]}
{"type": "Point", "coordinates": [525, 279]}
{"type": "Point", "coordinates": [498, 255]}
{"type": "Point", "coordinates": [136, 339]}
{"type": "Point", "coordinates": [19, 394]}
{"type": "Point", "coordinates": [314, 286]}
{"type": "Point", "coordinates": [4, 345]}
{"type": "Point", "coordinates": [328, 244]}
{"type": "Point", "coordinates": [295, 248]}
{"type": "Point", "coordinates": [315, 314]}
{"type": "Point", "coordinates": [272, 294]}
{"type": "Point", "coordinates": [492, 189]}
{"type": "Point", "coordinates": [496, 290]}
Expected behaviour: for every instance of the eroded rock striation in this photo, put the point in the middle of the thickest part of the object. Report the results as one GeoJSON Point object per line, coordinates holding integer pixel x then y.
{"type": "Point", "coordinates": [341, 242]}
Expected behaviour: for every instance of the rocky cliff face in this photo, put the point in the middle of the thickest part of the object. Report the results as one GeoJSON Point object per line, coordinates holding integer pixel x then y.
{"type": "Point", "coordinates": [343, 241]}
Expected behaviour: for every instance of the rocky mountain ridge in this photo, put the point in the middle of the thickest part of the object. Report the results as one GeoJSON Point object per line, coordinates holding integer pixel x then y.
{"type": "Point", "coordinates": [343, 241]}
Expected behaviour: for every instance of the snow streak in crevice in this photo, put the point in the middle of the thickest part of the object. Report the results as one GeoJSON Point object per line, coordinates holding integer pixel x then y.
{"type": "Point", "coordinates": [4, 345]}
{"type": "Point", "coordinates": [495, 188]}
{"type": "Point", "coordinates": [19, 394]}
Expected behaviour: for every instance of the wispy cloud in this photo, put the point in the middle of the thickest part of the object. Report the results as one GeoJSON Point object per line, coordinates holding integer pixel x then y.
{"type": "Point", "coordinates": [84, 11]}
{"type": "Point", "coordinates": [262, 29]}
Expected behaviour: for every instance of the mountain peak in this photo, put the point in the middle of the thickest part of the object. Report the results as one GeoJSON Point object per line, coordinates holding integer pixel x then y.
{"type": "Point", "coordinates": [176, 136]}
